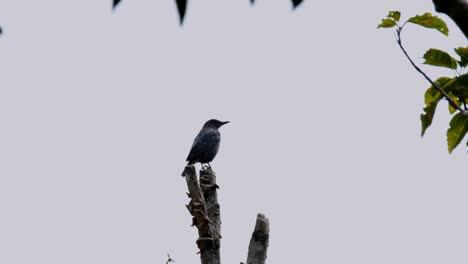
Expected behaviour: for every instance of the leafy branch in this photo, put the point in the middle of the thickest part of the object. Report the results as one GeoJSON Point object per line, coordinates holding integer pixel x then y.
{"type": "Point", "coordinates": [449, 99]}
{"type": "Point", "coordinates": [454, 90]}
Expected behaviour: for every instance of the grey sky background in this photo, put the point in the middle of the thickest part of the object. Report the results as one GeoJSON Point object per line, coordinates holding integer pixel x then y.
{"type": "Point", "coordinates": [98, 111]}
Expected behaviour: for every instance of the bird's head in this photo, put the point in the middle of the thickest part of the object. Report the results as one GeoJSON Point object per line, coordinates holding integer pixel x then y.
{"type": "Point", "coordinates": [214, 123]}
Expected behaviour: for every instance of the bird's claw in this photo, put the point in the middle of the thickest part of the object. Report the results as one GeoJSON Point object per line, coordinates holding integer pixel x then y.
{"type": "Point", "coordinates": [204, 167]}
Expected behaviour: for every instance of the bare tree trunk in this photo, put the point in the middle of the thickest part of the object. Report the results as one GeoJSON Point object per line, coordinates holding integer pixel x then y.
{"type": "Point", "coordinates": [258, 246]}
{"type": "Point", "coordinates": [209, 234]}
{"type": "Point", "coordinates": [208, 186]}
{"type": "Point", "coordinates": [455, 9]}
{"type": "Point", "coordinates": [205, 209]}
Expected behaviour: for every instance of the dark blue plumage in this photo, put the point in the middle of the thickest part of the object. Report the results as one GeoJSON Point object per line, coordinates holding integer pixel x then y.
{"type": "Point", "coordinates": [206, 143]}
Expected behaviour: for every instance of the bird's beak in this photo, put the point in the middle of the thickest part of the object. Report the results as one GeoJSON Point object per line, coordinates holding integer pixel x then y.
{"type": "Point", "coordinates": [223, 123]}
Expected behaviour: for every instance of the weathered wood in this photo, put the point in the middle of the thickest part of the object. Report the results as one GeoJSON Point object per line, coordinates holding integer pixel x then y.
{"type": "Point", "coordinates": [208, 238]}
{"type": "Point", "coordinates": [258, 246]}
{"type": "Point", "coordinates": [455, 9]}
{"type": "Point", "coordinates": [205, 209]}
{"type": "Point", "coordinates": [209, 188]}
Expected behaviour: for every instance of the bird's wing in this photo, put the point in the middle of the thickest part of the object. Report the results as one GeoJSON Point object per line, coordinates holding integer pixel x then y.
{"type": "Point", "coordinates": [206, 139]}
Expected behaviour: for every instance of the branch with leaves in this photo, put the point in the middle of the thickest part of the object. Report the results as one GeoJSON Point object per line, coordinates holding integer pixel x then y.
{"type": "Point", "coordinates": [453, 89]}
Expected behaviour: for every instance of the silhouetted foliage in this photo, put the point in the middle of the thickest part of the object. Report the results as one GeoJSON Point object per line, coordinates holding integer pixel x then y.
{"type": "Point", "coordinates": [296, 3]}
{"type": "Point", "coordinates": [181, 7]}
{"type": "Point", "coordinates": [116, 2]}
{"type": "Point", "coordinates": [455, 9]}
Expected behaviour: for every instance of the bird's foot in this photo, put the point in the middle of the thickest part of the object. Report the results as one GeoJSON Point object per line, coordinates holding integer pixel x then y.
{"type": "Point", "coordinates": [206, 167]}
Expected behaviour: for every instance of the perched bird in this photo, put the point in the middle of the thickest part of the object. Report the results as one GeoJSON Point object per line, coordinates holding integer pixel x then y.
{"type": "Point", "coordinates": [206, 143]}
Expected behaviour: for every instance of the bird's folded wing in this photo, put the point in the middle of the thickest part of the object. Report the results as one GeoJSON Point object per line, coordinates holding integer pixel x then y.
{"type": "Point", "coordinates": [204, 141]}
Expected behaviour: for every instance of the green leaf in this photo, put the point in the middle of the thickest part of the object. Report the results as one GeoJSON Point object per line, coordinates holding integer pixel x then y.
{"type": "Point", "coordinates": [456, 100]}
{"type": "Point", "coordinates": [457, 131]}
{"type": "Point", "coordinates": [440, 58]}
{"type": "Point", "coordinates": [459, 86]}
{"type": "Point", "coordinates": [429, 21]}
{"type": "Point", "coordinates": [395, 15]}
{"type": "Point", "coordinates": [387, 23]}
{"type": "Point", "coordinates": [431, 99]}
{"type": "Point", "coordinates": [463, 53]}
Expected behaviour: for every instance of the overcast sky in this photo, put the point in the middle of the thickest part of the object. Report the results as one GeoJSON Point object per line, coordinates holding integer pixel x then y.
{"type": "Point", "coordinates": [98, 110]}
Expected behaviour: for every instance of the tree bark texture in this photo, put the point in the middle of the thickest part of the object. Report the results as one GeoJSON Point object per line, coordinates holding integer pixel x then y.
{"type": "Point", "coordinates": [204, 208]}
{"type": "Point", "coordinates": [208, 186]}
{"type": "Point", "coordinates": [455, 9]}
{"type": "Point", "coordinates": [259, 242]}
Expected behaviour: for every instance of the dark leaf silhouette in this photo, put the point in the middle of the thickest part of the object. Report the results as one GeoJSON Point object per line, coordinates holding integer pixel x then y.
{"type": "Point", "coordinates": [116, 2]}
{"type": "Point", "coordinates": [296, 3]}
{"type": "Point", "coordinates": [456, 9]}
{"type": "Point", "coordinates": [181, 7]}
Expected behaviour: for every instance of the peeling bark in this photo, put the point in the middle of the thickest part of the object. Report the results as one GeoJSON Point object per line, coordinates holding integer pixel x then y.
{"type": "Point", "coordinates": [205, 210]}
{"type": "Point", "coordinates": [208, 234]}
{"type": "Point", "coordinates": [209, 188]}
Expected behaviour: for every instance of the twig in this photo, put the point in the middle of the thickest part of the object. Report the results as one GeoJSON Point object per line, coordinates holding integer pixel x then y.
{"type": "Point", "coordinates": [169, 259]}
{"type": "Point", "coordinates": [449, 99]}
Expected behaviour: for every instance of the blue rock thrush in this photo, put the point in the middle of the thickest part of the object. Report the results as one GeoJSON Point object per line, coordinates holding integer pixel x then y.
{"type": "Point", "coordinates": [206, 144]}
